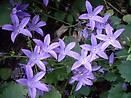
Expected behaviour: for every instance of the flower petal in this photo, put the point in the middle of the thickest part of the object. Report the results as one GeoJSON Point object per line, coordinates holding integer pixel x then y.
{"type": "Point", "coordinates": [84, 16]}
{"type": "Point", "coordinates": [38, 76]}
{"type": "Point", "coordinates": [35, 19]}
{"type": "Point", "coordinates": [22, 81]}
{"type": "Point", "coordinates": [47, 39]}
{"type": "Point", "coordinates": [116, 44]}
{"type": "Point", "coordinates": [92, 24]}
{"type": "Point", "coordinates": [70, 46]}
{"type": "Point", "coordinates": [38, 42]}
{"type": "Point", "coordinates": [79, 85]}
{"type": "Point", "coordinates": [39, 30]}
{"type": "Point", "coordinates": [98, 9]}
{"type": "Point", "coordinates": [42, 86]}
{"type": "Point", "coordinates": [32, 92]}
{"type": "Point", "coordinates": [109, 30]}
{"type": "Point", "coordinates": [26, 32]}
{"type": "Point", "coordinates": [41, 24]}
{"type": "Point", "coordinates": [88, 7]}
{"type": "Point", "coordinates": [13, 36]}
{"type": "Point", "coordinates": [8, 27]}
{"type": "Point", "coordinates": [76, 65]}
{"type": "Point", "coordinates": [118, 33]}
{"type": "Point", "coordinates": [61, 57]}
{"type": "Point", "coordinates": [102, 54]}
{"type": "Point", "coordinates": [29, 72]}
{"type": "Point", "coordinates": [93, 40]}
{"type": "Point", "coordinates": [102, 37]}
{"type": "Point", "coordinates": [27, 52]}
{"type": "Point", "coordinates": [24, 22]}
{"type": "Point", "coordinates": [41, 65]}
{"type": "Point", "coordinates": [15, 20]}
{"type": "Point", "coordinates": [86, 47]}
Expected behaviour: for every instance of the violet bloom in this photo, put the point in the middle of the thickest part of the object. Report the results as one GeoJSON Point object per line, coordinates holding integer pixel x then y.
{"type": "Point", "coordinates": [111, 58]}
{"type": "Point", "coordinates": [46, 46]}
{"type": "Point", "coordinates": [36, 24]}
{"type": "Point", "coordinates": [95, 49]}
{"type": "Point", "coordinates": [110, 38]}
{"type": "Point", "coordinates": [100, 26]}
{"type": "Point", "coordinates": [83, 76]}
{"type": "Point", "coordinates": [45, 2]}
{"type": "Point", "coordinates": [82, 59]}
{"type": "Point", "coordinates": [18, 9]}
{"type": "Point", "coordinates": [36, 57]}
{"type": "Point", "coordinates": [17, 27]}
{"type": "Point", "coordinates": [64, 50]}
{"type": "Point", "coordinates": [33, 83]}
{"type": "Point", "coordinates": [92, 15]}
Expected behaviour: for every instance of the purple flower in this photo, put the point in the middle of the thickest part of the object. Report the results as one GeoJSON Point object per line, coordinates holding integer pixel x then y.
{"type": "Point", "coordinates": [64, 50]}
{"type": "Point", "coordinates": [36, 24]}
{"type": "Point", "coordinates": [110, 38]}
{"type": "Point", "coordinates": [33, 83]}
{"type": "Point", "coordinates": [83, 76]}
{"type": "Point", "coordinates": [36, 57]}
{"type": "Point", "coordinates": [18, 9]}
{"type": "Point", "coordinates": [124, 86]}
{"type": "Point", "coordinates": [95, 49]}
{"type": "Point", "coordinates": [100, 26]}
{"type": "Point", "coordinates": [92, 15]}
{"type": "Point", "coordinates": [46, 46]}
{"type": "Point", "coordinates": [17, 27]}
{"type": "Point", "coordinates": [111, 58]}
{"type": "Point", "coordinates": [45, 2]}
{"type": "Point", "coordinates": [82, 59]}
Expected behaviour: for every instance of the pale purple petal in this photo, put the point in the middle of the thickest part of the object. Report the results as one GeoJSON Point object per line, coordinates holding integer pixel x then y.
{"type": "Point", "coordinates": [53, 54]}
{"type": "Point", "coordinates": [13, 36]}
{"type": "Point", "coordinates": [106, 17]}
{"type": "Point", "coordinates": [93, 40]}
{"type": "Point", "coordinates": [104, 46]}
{"type": "Point", "coordinates": [22, 7]}
{"type": "Point", "coordinates": [27, 52]}
{"type": "Point", "coordinates": [85, 33]}
{"type": "Point", "coordinates": [88, 66]}
{"type": "Point", "coordinates": [41, 65]}
{"type": "Point", "coordinates": [98, 19]}
{"type": "Point", "coordinates": [88, 7]}
{"type": "Point", "coordinates": [24, 22]}
{"type": "Point", "coordinates": [87, 82]}
{"type": "Point", "coordinates": [38, 76]}
{"type": "Point", "coordinates": [76, 65]}
{"type": "Point", "coordinates": [29, 72]}
{"type": "Point", "coordinates": [83, 53]}
{"type": "Point", "coordinates": [109, 30]}
{"type": "Point", "coordinates": [53, 45]}
{"type": "Point", "coordinates": [61, 57]}
{"type": "Point", "coordinates": [42, 86]}
{"type": "Point", "coordinates": [32, 92]}
{"type": "Point", "coordinates": [38, 42]}
{"type": "Point", "coordinates": [86, 47]}
{"type": "Point", "coordinates": [26, 32]}
{"type": "Point", "coordinates": [23, 14]}
{"type": "Point", "coordinates": [45, 2]}
{"type": "Point", "coordinates": [41, 23]}
{"type": "Point", "coordinates": [98, 9]}
{"type": "Point", "coordinates": [22, 81]}
{"type": "Point", "coordinates": [35, 19]}
{"type": "Point", "coordinates": [37, 49]}
{"type": "Point", "coordinates": [62, 44]}
{"type": "Point", "coordinates": [79, 85]}
{"type": "Point", "coordinates": [15, 20]}
{"type": "Point", "coordinates": [95, 68]}
{"type": "Point", "coordinates": [99, 31]}
{"type": "Point", "coordinates": [8, 27]}
{"type": "Point", "coordinates": [74, 55]}
{"type": "Point", "coordinates": [92, 24]}
{"type": "Point", "coordinates": [118, 33]}
{"type": "Point", "coordinates": [70, 46]}
{"type": "Point", "coordinates": [116, 44]}
{"type": "Point", "coordinates": [84, 16]}
{"type": "Point", "coordinates": [102, 54]}
{"type": "Point", "coordinates": [102, 37]}
{"type": "Point", "coordinates": [12, 2]}
{"type": "Point", "coordinates": [47, 39]}
{"type": "Point", "coordinates": [39, 30]}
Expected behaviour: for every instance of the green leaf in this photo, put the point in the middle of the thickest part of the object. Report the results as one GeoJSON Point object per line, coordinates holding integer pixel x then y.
{"type": "Point", "coordinates": [70, 19]}
{"type": "Point", "coordinates": [125, 70]}
{"type": "Point", "coordinates": [54, 93]}
{"type": "Point", "coordinates": [127, 18]}
{"type": "Point", "coordinates": [4, 12]}
{"type": "Point", "coordinates": [5, 73]}
{"type": "Point", "coordinates": [110, 76]}
{"type": "Point", "coordinates": [117, 92]}
{"type": "Point", "coordinates": [14, 91]}
{"type": "Point", "coordinates": [60, 15]}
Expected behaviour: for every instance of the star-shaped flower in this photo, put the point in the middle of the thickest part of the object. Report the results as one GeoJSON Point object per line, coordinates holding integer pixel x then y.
{"type": "Point", "coordinates": [92, 15]}
{"type": "Point", "coordinates": [110, 38]}
{"type": "Point", "coordinates": [36, 57]}
{"type": "Point", "coordinates": [17, 27]}
{"type": "Point", "coordinates": [83, 76]}
{"type": "Point", "coordinates": [33, 83]}
{"type": "Point", "coordinates": [95, 49]}
{"type": "Point", "coordinates": [64, 50]}
{"type": "Point", "coordinates": [46, 46]}
{"type": "Point", "coordinates": [36, 24]}
{"type": "Point", "coordinates": [82, 59]}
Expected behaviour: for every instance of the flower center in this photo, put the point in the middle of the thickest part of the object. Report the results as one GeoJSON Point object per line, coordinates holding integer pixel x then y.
{"type": "Point", "coordinates": [83, 61]}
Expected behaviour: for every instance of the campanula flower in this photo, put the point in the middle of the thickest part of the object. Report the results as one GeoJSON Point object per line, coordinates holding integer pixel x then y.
{"type": "Point", "coordinates": [64, 50]}
{"type": "Point", "coordinates": [83, 76]}
{"type": "Point", "coordinates": [45, 2]}
{"type": "Point", "coordinates": [46, 46]}
{"type": "Point", "coordinates": [110, 38]}
{"type": "Point", "coordinates": [95, 49]}
{"type": "Point", "coordinates": [92, 15]}
{"type": "Point", "coordinates": [33, 83]}
{"type": "Point", "coordinates": [36, 24]}
{"type": "Point", "coordinates": [36, 57]}
{"type": "Point", "coordinates": [17, 27]}
{"type": "Point", "coordinates": [111, 58]}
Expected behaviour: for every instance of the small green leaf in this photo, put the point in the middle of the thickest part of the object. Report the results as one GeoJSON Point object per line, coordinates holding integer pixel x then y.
{"type": "Point", "coordinates": [110, 76]}
{"type": "Point", "coordinates": [5, 73]}
{"type": "Point", "coordinates": [70, 19]}
{"type": "Point", "coordinates": [60, 15]}
{"type": "Point", "coordinates": [127, 18]}
{"type": "Point", "coordinates": [14, 91]}
{"type": "Point", "coordinates": [52, 94]}
{"type": "Point", "coordinates": [111, 12]}
{"type": "Point", "coordinates": [125, 70]}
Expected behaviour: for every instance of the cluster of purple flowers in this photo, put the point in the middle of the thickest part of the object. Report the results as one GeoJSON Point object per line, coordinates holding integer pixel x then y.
{"type": "Point", "coordinates": [82, 69]}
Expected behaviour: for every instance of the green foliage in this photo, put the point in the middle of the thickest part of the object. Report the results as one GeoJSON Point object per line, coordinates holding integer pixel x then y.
{"type": "Point", "coordinates": [14, 90]}
{"type": "Point", "coordinates": [5, 73]}
{"type": "Point", "coordinates": [60, 15]}
{"type": "Point", "coordinates": [117, 92]}
{"type": "Point", "coordinates": [5, 10]}
{"type": "Point", "coordinates": [54, 93]}
{"type": "Point", "coordinates": [110, 76]}
{"type": "Point", "coordinates": [127, 18]}
{"type": "Point", "coordinates": [125, 70]}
